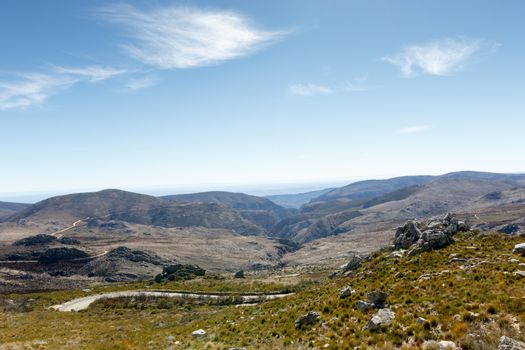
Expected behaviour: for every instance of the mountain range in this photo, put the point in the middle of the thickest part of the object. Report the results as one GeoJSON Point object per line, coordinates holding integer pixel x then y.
{"type": "Point", "coordinates": [360, 216]}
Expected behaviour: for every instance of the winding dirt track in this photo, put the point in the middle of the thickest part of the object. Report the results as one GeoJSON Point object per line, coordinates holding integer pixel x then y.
{"type": "Point", "coordinates": [84, 302]}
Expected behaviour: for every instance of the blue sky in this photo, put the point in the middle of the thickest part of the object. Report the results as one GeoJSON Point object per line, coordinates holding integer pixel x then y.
{"type": "Point", "coordinates": [147, 95]}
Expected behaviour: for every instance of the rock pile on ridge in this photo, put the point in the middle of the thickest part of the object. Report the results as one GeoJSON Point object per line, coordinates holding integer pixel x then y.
{"type": "Point", "coordinates": [436, 234]}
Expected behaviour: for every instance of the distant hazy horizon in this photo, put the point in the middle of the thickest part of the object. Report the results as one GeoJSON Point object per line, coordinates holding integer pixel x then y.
{"type": "Point", "coordinates": [262, 190]}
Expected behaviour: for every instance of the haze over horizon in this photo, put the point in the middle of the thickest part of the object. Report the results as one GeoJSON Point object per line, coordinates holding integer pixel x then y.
{"type": "Point", "coordinates": [119, 95]}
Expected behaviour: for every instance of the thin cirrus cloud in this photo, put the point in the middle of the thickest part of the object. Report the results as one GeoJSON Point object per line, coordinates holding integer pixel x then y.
{"type": "Point", "coordinates": [413, 129]}
{"type": "Point", "coordinates": [92, 73]}
{"type": "Point", "coordinates": [439, 57]}
{"type": "Point", "coordinates": [184, 37]}
{"type": "Point", "coordinates": [309, 89]}
{"type": "Point", "coordinates": [31, 89]}
{"type": "Point", "coordinates": [141, 83]}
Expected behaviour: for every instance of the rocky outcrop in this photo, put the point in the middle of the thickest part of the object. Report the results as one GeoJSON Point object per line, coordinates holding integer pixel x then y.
{"type": "Point", "coordinates": [382, 318]}
{"type": "Point", "coordinates": [133, 255]}
{"type": "Point", "coordinates": [310, 318]}
{"type": "Point", "coordinates": [123, 264]}
{"type": "Point", "coordinates": [54, 255]}
{"type": "Point", "coordinates": [179, 272]}
{"type": "Point", "coordinates": [420, 237]}
{"type": "Point", "coordinates": [42, 239]}
{"type": "Point", "coordinates": [507, 343]}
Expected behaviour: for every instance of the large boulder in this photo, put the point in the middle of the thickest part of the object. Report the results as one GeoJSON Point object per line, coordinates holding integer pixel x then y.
{"type": "Point", "coordinates": [407, 235]}
{"type": "Point", "coordinates": [507, 343]}
{"type": "Point", "coordinates": [383, 317]}
{"type": "Point", "coordinates": [310, 318]}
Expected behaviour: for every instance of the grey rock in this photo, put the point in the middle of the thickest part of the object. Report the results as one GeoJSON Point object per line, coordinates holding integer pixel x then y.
{"type": "Point", "coordinates": [441, 345]}
{"type": "Point", "coordinates": [378, 298]}
{"type": "Point", "coordinates": [434, 239]}
{"type": "Point", "coordinates": [420, 320]}
{"type": "Point", "coordinates": [463, 226]}
{"type": "Point", "coordinates": [406, 235]}
{"type": "Point", "coordinates": [519, 249]}
{"type": "Point", "coordinates": [364, 306]}
{"type": "Point", "coordinates": [198, 333]}
{"type": "Point", "coordinates": [519, 273]}
{"type": "Point", "coordinates": [383, 317]}
{"type": "Point", "coordinates": [353, 264]}
{"type": "Point", "coordinates": [346, 292]}
{"type": "Point", "coordinates": [397, 254]}
{"type": "Point", "coordinates": [507, 343]}
{"type": "Point", "coordinates": [310, 318]}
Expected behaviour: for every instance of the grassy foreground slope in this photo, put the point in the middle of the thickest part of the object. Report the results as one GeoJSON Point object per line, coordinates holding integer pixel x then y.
{"type": "Point", "coordinates": [467, 292]}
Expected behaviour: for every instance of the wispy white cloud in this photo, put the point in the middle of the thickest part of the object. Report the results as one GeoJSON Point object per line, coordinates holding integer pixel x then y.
{"type": "Point", "coordinates": [438, 57]}
{"type": "Point", "coordinates": [183, 37]}
{"type": "Point", "coordinates": [31, 89]}
{"type": "Point", "coordinates": [309, 89]}
{"type": "Point", "coordinates": [25, 90]}
{"type": "Point", "coordinates": [413, 129]}
{"type": "Point", "coordinates": [92, 73]}
{"type": "Point", "coordinates": [145, 82]}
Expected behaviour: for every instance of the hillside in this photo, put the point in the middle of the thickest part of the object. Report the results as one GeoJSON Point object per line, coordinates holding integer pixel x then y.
{"type": "Point", "coordinates": [369, 189]}
{"type": "Point", "coordinates": [468, 295]}
{"type": "Point", "coordinates": [131, 207]}
{"type": "Point", "coordinates": [464, 191]}
{"type": "Point", "coordinates": [258, 210]}
{"type": "Point", "coordinates": [7, 208]}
